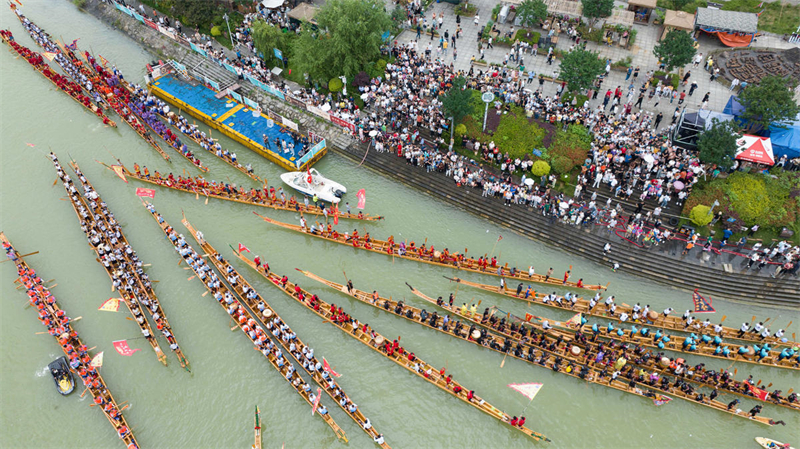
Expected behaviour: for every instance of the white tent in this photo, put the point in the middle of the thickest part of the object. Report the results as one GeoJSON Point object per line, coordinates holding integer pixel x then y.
{"type": "Point", "coordinates": [271, 4]}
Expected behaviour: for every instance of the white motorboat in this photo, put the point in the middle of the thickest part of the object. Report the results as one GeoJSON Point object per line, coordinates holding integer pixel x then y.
{"type": "Point", "coordinates": [312, 183]}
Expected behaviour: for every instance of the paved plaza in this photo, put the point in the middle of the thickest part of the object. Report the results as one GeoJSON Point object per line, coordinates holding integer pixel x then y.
{"type": "Point", "coordinates": [641, 53]}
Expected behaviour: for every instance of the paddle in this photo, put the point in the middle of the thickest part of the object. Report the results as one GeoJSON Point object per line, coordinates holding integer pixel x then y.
{"type": "Point", "coordinates": [724, 317]}
{"type": "Point", "coordinates": [25, 255]}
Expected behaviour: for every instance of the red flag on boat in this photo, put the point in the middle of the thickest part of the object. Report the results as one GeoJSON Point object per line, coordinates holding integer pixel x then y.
{"type": "Point", "coordinates": [309, 179]}
{"type": "Point", "coordinates": [757, 392]}
{"type": "Point", "coordinates": [328, 368]}
{"type": "Point", "coordinates": [316, 400]}
{"type": "Point", "coordinates": [243, 249]}
{"type": "Point", "coordinates": [499, 237]}
{"type": "Point", "coordinates": [528, 390]}
{"type": "Point", "coordinates": [336, 215]}
{"type": "Point", "coordinates": [141, 191]}
{"type": "Point", "coordinates": [122, 347]}
{"type": "Point", "coordinates": [103, 60]}
{"type": "Point", "coordinates": [120, 171]}
{"type": "Point", "coordinates": [362, 198]}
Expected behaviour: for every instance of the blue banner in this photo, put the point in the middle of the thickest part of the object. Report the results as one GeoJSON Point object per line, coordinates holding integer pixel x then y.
{"type": "Point", "coordinates": [311, 153]}
{"type": "Point", "coordinates": [138, 16]}
{"type": "Point", "coordinates": [123, 9]}
{"type": "Point", "coordinates": [250, 103]}
{"type": "Point", "coordinates": [235, 96]}
{"type": "Point", "coordinates": [278, 53]}
{"type": "Point", "coordinates": [198, 49]}
{"type": "Point", "coordinates": [230, 68]}
{"type": "Point", "coordinates": [178, 66]}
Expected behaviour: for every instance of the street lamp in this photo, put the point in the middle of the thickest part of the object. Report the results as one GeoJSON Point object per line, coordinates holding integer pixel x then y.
{"type": "Point", "coordinates": [452, 125]}
{"type": "Point", "coordinates": [230, 35]}
{"type": "Point", "coordinates": [716, 203]}
{"type": "Point", "coordinates": [487, 98]}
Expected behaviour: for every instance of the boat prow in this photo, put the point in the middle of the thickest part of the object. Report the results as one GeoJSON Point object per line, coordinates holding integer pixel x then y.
{"type": "Point", "coordinates": [765, 442]}
{"type": "Point", "coordinates": [313, 183]}
{"type": "Point", "coordinates": [62, 376]}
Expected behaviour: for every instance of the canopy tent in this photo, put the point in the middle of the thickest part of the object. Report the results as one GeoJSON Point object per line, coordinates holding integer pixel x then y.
{"type": "Point", "coordinates": [692, 124]}
{"type": "Point", "coordinates": [677, 20]}
{"type": "Point", "coordinates": [641, 9]}
{"type": "Point", "coordinates": [786, 140]}
{"type": "Point", "coordinates": [755, 149]}
{"type": "Point", "coordinates": [621, 17]}
{"type": "Point", "coordinates": [734, 28]}
{"type": "Point", "coordinates": [303, 11]}
{"type": "Point", "coordinates": [271, 4]}
{"type": "Point", "coordinates": [564, 7]}
{"type": "Point", "coordinates": [733, 107]}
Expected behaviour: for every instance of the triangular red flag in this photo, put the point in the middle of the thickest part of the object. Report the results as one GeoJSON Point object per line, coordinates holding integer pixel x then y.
{"type": "Point", "coordinates": [243, 249]}
{"type": "Point", "coordinates": [328, 368]}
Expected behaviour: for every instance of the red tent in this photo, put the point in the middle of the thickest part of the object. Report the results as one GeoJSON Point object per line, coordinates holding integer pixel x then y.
{"type": "Point", "coordinates": [755, 149]}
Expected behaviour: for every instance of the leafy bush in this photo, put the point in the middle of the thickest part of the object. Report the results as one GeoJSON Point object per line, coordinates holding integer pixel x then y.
{"type": "Point", "coordinates": [666, 78]}
{"type": "Point", "coordinates": [461, 129]}
{"type": "Point", "coordinates": [465, 9]}
{"type": "Point", "coordinates": [531, 37]}
{"type": "Point", "coordinates": [572, 144]}
{"type": "Point", "coordinates": [335, 85]}
{"type": "Point", "coordinates": [700, 215]}
{"type": "Point", "coordinates": [361, 79]}
{"type": "Point", "coordinates": [516, 135]}
{"type": "Point", "coordinates": [623, 63]}
{"type": "Point", "coordinates": [750, 198]}
{"type": "Point", "coordinates": [216, 31]}
{"type": "Point", "coordinates": [495, 12]}
{"type": "Point", "coordinates": [479, 106]}
{"type": "Point", "coordinates": [540, 168]}
{"type": "Point", "coordinates": [487, 30]}
{"type": "Point", "coordinates": [562, 164]}
{"type": "Point", "coordinates": [79, 3]}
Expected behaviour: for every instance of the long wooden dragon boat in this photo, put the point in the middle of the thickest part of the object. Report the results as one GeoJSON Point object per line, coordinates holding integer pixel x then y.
{"type": "Point", "coordinates": [248, 296]}
{"type": "Point", "coordinates": [61, 82]}
{"type": "Point", "coordinates": [86, 219]}
{"type": "Point", "coordinates": [68, 65]}
{"type": "Point", "coordinates": [243, 318]}
{"type": "Point", "coordinates": [257, 429]}
{"type": "Point", "coordinates": [653, 319]}
{"type": "Point", "coordinates": [704, 345]}
{"type": "Point", "coordinates": [218, 190]}
{"type": "Point", "coordinates": [428, 255]}
{"type": "Point", "coordinates": [59, 325]}
{"type": "Point", "coordinates": [506, 327]}
{"type": "Point", "coordinates": [154, 309]}
{"type": "Point", "coordinates": [553, 354]}
{"type": "Point", "coordinates": [380, 344]}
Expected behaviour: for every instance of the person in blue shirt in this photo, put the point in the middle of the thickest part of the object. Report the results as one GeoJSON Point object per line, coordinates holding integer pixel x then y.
{"type": "Point", "coordinates": [609, 328]}
{"type": "Point", "coordinates": [726, 234]}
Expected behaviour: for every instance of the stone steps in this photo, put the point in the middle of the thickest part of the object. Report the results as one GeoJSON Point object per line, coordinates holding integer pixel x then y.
{"type": "Point", "coordinates": [660, 264]}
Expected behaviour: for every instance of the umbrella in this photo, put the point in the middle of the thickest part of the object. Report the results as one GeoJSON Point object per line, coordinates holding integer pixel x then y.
{"type": "Point", "coordinates": [648, 158]}
{"type": "Point", "coordinates": [678, 185]}
{"type": "Point", "coordinates": [364, 96]}
{"type": "Point", "coordinates": [563, 205]}
{"type": "Point", "coordinates": [529, 182]}
{"type": "Point", "coordinates": [755, 149]}
{"type": "Point", "coordinates": [373, 133]}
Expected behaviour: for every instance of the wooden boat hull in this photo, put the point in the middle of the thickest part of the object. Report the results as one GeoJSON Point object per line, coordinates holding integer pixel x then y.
{"type": "Point", "coordinates": [765, 443]}
{"type": "Point", "coordinates": [582, 305]}
{"type": "Point", "coordinates": [382, 247]}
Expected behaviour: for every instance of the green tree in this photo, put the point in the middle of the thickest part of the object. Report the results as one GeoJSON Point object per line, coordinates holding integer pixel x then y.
{"type": "Point", "coordinates": [580, 67]}
{"type": "Point", "coordinates": [457, 102]}
{"type": "Point", "coordinates": [267, 37]}
{"type": "Point", "coordinates": [717, 144]}
{"type": "Point", "coordinates": [531, 12]}
{"type": "Point", "coordinates": [597, 9]}
{"type": "Point", "coordinates": [677, 5]}
{"type": "Point", "coordinates": [770, 101]}
{"type": "Point", "coordinates": [540, 168]}
{"type": "Point", "coordinates": [347, 38]}
{"type": "Point", "coordinates": [676, 49]}
{"type": "Point", "coordinates": [195, 13]}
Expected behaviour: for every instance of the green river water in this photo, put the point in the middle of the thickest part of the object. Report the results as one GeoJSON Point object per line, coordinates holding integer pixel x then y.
{"type": "Point", "coordinates": [213, 406]}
